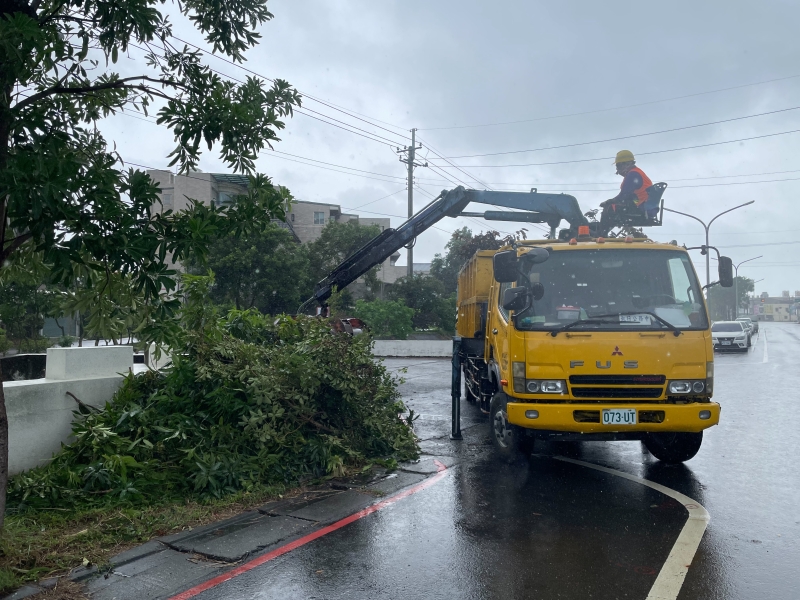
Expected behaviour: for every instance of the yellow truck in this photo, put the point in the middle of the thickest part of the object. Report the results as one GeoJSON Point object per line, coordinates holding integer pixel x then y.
{"type": "Point", "coordinates": [596, 333]}
{"type": "Point", "coordinates": [587, 339]}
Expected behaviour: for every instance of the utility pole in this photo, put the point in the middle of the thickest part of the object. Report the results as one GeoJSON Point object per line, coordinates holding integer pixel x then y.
{"type": "Point", "coordinates": [410, 152]}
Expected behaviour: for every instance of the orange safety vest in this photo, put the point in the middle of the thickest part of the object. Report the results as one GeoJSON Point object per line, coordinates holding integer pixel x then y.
{"type": "Point", "coordinates": [641, 193]}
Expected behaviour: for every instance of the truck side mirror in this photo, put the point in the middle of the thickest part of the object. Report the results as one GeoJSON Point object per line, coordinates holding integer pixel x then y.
{"type": "Point", "coordinates": [725, 272]}
{"type": "Point", "coordinates": [537, 290]}
{"type": "Point", "coordinates": [516, 299]}
{"type": "Point", "coordinates": [505, 266]}
{"type": "Point", "coordinates": [537, 256]}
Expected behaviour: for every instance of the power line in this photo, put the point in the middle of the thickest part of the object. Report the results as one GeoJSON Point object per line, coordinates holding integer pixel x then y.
{"type": "Point", "coordinates": [395, 178]}
{"type": "Point", "coordinates": [583, 160]}
{"type": "Point", "coordinates": [436, 152]}
{"type": "Point", "coordinates": [627, 137]}
{"type": "Point", "coordinates": [379, 199]}
{"type": "Point", "coordinates": [600, 110]}
{"type": "Point", "coordinates": [273, 155]}
{"type": "Point", "coordinates": [759, 245]}
{"type": "Point", "coordinates": [310, 97]}
{"type": "Point", "coordinates": [347, 127]}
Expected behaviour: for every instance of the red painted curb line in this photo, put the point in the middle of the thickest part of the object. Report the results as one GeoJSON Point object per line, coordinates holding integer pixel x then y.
{"type": "Point", "coordinates": [264, 558]}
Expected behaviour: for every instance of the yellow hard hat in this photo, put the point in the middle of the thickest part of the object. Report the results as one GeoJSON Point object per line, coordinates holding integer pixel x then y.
{"type": "Point", "coordinates": [624, 156]}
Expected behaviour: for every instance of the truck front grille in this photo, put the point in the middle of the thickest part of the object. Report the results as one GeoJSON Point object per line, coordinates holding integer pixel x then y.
{"type": "Point", "coordinates": [618, 379]}
{"type": "Point", "coordinates": [611, 392]}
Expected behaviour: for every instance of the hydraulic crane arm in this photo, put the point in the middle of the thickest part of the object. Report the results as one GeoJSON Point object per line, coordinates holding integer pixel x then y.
{"type": "Point", "coordinates": [544, 208]}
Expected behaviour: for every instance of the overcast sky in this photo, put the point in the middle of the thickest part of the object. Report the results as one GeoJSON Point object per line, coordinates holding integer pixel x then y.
{"type": "Point", "coordinates": [455, 69]}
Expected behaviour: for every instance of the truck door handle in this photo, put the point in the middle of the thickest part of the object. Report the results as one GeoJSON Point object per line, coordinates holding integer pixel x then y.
{"type": "Point", "coordinates": [494, 331]}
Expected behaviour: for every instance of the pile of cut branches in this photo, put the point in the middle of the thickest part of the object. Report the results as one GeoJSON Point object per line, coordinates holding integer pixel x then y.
{"type": "Point", "coordinates": [249, 401]}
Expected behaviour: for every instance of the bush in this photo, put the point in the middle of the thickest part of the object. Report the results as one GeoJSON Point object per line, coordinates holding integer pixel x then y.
{"type": "Point", "coordinates": [37, 345]}
{"type": "Point", "coordinates": [66, 341]}
{"type": "Point", "coordinates": [250, 401]}
{"type": "Point", "coordinates": [386, 318]}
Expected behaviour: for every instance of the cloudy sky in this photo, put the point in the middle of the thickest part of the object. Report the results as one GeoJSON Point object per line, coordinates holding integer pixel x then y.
{"type": "Point", "coordinates": [482, 78]}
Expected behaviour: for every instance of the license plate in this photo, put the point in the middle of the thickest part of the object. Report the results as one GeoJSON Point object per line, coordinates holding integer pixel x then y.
{"type": "Point", "coordinates": [726, 342]}
{"type": "Point", "coordinates": [619, 416]}
{"type": "Point", "coordinates": [635, 319]}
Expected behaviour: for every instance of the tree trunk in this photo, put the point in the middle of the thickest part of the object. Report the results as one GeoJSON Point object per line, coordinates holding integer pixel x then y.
{"type": "Point", "coordinates": [3, 450]}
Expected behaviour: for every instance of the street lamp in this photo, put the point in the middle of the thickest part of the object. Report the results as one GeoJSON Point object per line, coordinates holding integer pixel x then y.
{"type": "Point", "coordinates": [707, 227]}
{"type": "Point", "coordinates": [736, 284]}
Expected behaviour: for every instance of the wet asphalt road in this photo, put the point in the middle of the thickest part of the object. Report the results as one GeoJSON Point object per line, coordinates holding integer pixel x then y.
{"type": "Point", "coordinates": [558, 530]}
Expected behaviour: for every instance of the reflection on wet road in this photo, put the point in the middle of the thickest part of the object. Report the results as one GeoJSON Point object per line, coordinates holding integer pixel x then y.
{"type": "Point", "coordinates": [554, 529]}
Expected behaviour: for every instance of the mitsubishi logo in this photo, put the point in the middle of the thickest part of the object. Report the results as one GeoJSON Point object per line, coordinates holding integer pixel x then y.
{"type": "Point", "coordinates": [616, 351]}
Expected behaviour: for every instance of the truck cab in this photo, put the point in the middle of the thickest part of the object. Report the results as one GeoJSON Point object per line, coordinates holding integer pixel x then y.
{"type": "Point", "coordinates": [588, 339]}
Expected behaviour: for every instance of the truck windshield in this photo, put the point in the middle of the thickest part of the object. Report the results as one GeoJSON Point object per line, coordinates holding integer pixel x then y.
{"type": "Point", "coordinates": [627, 284]}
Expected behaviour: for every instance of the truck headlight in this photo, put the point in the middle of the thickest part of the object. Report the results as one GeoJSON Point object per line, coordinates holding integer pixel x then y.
{"type": "Point", "coordinates": [680, 387]}
{"type": "Point", "coordinates": [546, 386]}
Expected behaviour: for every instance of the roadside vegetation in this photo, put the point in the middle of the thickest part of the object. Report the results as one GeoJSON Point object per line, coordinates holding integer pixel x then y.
{"type": "Point", "coordinates": [250, 405]}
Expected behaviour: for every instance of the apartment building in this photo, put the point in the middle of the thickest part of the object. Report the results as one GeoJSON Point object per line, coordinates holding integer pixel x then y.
{"type": "Point", "coordinates": [305, 220]}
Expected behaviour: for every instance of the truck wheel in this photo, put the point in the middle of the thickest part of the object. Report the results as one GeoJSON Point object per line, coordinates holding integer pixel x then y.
{"type": "Point", "coordinates": [509, 441]}
{"type": "Point", "coordinates": [673, 448]}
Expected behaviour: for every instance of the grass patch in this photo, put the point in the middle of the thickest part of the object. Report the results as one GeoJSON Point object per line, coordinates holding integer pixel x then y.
{"type": "Point", "coordinates": [45, 543]}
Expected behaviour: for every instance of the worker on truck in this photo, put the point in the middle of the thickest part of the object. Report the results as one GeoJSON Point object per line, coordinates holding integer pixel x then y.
{"type": "Point", "coordinates": [633, 190]}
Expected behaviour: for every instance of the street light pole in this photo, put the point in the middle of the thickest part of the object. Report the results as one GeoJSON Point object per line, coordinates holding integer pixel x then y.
{"type": "Point", "coordinates": [707, 227]}
{"type": "Point", "coordinates": [736, 285]}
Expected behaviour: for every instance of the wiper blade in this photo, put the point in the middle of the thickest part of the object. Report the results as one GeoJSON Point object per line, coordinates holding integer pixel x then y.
{"type": "Point", "coordinates": [600, 319]}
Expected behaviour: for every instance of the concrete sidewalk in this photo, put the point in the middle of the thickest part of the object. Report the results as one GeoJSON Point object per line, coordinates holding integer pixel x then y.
{"type": "Point", "coordinates": [168, 565]}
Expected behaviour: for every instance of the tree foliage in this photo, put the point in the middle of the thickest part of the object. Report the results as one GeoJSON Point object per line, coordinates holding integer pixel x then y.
{"type": "Point", "coordinates": [426, 296]}
{"type": "Point", "coordinates": [67, 195]}
{"type": "Point", "coordinates": [337, 242]}
{"type": "Point", "coordinates": [386, 318]}
{"type": "Point", "coordinates": [267, 270]}
{"type": "Point", "coordinates": [461, 247]}
{"type": "Point", "coordinates": [249, 401]}
{"type": "Point", "coordinates": [721, 301]}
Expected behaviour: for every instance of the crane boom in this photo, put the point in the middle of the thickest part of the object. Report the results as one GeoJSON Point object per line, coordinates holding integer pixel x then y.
{"type": "Point", "coordinates": [541, 208]}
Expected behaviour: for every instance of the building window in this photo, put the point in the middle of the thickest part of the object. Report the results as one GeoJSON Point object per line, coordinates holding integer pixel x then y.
{"type": "Point", "coordinates": [319, 218]}
{"type": "Point", "coordinates": [225, 198]}
{"type": "Point", "coordinates": [166, 201]}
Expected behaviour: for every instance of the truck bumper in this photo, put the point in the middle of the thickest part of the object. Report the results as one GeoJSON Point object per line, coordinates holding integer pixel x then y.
{"type": "Point", "coordinates": [587, 418]}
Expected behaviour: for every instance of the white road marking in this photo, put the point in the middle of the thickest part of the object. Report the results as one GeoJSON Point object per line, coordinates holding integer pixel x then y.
{"type": "Point", "coordinates": [766, 355]}
{"type": "Point", "coordinates": [670, 578]}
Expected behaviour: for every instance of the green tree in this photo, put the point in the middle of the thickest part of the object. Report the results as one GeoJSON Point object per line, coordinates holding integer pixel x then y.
{"type": "Point", "coordinates": [337, 242]}
{"type": "Point", "coordinates": [721, 300]}
{"type": "Point", "coordinates": [427, 297]}
{"type": "Point", "coordinates": [24, 299]}
{"type": "Point", "coordinates": [386, 318]}
{"type": "Point", "coordinates": [65, 192]}
{"type": "Point", "coordinates": [461, 247]}
{"type": "Point", "coordinates": [267, 270]}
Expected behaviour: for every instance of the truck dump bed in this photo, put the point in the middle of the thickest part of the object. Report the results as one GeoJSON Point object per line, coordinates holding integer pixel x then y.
{"type": "Point", "coordinates": [474, 282]}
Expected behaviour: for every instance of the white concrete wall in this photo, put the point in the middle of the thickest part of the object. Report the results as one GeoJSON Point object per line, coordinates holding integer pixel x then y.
{"type": "Point", "coordinates": [40, 411]}
{"type": "Point", "coordinates": [418, 348]}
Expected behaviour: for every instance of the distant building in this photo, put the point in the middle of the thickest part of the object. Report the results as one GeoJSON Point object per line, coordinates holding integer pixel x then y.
{"type": "Point", "coordinates": [305, 219]}
{"type": "Point", "coordinates": [772, 308]}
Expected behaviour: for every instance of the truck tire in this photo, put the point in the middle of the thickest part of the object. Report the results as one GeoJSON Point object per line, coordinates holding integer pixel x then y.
{"type": "Point", "coordinates": [510, 442]}
{"type": "Point", "coordinates": [673, 448]}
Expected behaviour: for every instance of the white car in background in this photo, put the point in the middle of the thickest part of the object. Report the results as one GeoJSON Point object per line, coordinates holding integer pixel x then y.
{"type": "Point", "coordinates": [730, 335]}
{"type": "Point", "coordinates": [752, 324]}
